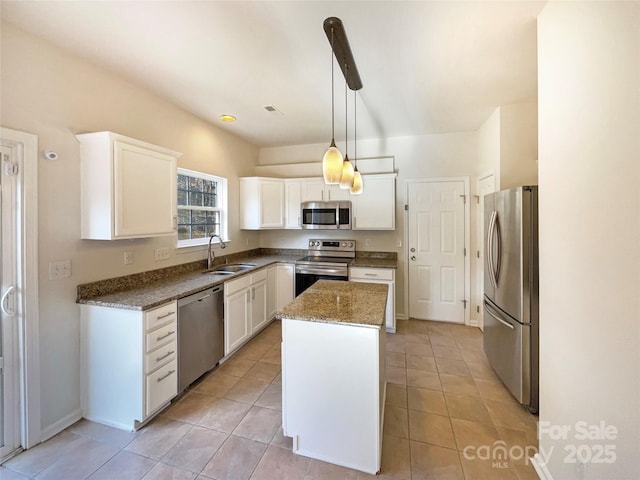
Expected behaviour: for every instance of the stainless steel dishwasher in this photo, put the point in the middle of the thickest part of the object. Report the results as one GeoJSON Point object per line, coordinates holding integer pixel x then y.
{"type": "Point", "coordinates": [200, 334]}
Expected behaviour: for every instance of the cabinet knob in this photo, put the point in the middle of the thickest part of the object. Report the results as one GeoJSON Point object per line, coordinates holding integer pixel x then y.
{"type": "Point", "coordinates": [413, 258]}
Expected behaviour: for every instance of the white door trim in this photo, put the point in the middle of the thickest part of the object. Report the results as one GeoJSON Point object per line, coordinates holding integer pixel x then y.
{"type": "Point", "coordinates": [479, 213]}
{"type": "Point", "coordinates": [28, 330]}
{"type": "Point", "coordinates": [467, 239]}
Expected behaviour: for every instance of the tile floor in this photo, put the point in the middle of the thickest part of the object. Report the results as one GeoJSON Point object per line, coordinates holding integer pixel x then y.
{"type": "Point", "coordinates": [442, 400]}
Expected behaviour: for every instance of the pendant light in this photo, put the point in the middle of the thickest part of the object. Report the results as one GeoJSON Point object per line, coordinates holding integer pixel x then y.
{"type": "Point", "coordinates": [332, 159]}
{"type": "Point", "coordinates": [356, 183]}
{"type": "Point", "coordinates": [346, 179]}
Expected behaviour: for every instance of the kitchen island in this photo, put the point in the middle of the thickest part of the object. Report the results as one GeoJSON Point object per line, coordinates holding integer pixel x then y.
{"type": "Point", "coordinates": [333, 373]}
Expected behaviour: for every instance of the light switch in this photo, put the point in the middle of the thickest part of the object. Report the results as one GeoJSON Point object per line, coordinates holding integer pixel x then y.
{"type": "Point", "coordinates": [128, 258]}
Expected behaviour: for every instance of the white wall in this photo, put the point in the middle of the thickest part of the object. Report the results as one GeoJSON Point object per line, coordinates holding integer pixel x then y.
{"type": "Point", "coordinates": [428, 156]}
{"type": "Point", "coordinates": [55, 95]}
{"type": "Point", "coordinates": [589, 128]}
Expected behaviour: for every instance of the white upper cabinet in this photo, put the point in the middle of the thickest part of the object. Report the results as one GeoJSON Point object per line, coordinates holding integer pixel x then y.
{"type": "Point", "coordinates": [128, 187]}
{"type": "Point", "coordinates": [314, 190]}
{"type": "Point", "coordinates": [261, 203]}
{"type": "Point", "coordinates": [375, 207]}
{"type": "Point", "coordinates": [292, 191]}
{"type": "Point", "coordinates": [274, 203]}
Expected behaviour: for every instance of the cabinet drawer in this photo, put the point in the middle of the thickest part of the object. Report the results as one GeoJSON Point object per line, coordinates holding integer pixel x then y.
{"type": "Point", "coordinates": [161, 336]}
{"type": "Point", "coordinates": [159, 316]}
{"type": "Point", "coordinates": [236, 285]}
{"type": "Point", "coordinates": [162, 386]}
{"type": "Point", "coordinates": [259, 276]}
{"type": "Point", "coordinates": [371, 273]}
{"type": "Point", "coordinates": [160, 357]}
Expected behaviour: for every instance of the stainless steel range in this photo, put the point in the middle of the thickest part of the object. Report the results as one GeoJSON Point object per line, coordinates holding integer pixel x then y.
{"type": "Point", "coordinates": [326, 260]}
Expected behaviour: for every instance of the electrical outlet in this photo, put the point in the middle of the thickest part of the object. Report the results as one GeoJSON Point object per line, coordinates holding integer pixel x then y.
{"type": "Point", "coordinates": [399, 244]}
{"type": "Point", "coordinates": [162, 253]}
{"type": "Point", "coordinates": [128, 258]}
{"type": "Point", "coordinates": [367, 242]}
{"type": "Point", "coordinates": [59, 270]}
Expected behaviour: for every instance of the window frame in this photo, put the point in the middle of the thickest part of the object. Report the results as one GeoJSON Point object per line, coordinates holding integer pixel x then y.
{"type": "Point", "coordinates": [222, 197]}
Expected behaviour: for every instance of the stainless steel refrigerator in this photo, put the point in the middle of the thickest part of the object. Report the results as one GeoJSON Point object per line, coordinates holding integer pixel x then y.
{"type": "Point", "coordinates": [511, 329]}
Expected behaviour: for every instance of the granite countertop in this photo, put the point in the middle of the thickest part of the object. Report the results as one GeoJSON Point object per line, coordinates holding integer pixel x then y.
{"type": "Point", "coordinates": [331, 301]}
{"type": "Point", "coordinates": [373, 262]}
{"type": "Point", "coordinates": [150, 294]}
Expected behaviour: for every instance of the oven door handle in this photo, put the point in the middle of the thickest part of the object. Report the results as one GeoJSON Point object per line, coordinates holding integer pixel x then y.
{"type": "Point", "coordinates": [337, 271]}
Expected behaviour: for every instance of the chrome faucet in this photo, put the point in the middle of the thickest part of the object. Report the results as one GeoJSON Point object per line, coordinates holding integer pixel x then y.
{"type": "Point", "coordinates": [211, 255]}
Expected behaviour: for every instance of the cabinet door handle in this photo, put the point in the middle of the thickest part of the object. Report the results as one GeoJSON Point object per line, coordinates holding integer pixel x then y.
{"type": "Point", "coordinates": [168, 354]}
{"type": "Point", "coordinates": [171, 372]}
{"type": "Point", "coordinates": [165, 315]}
{"type": "Point", "coordinates": [166, 336]}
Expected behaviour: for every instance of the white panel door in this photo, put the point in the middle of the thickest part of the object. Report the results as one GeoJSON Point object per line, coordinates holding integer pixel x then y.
{"type": "Point", "coordinates": [486, 185]}
{"type": "Point", "coordinates": [9, 393]}
{"type": "Point", "coordinates": [436, 251]}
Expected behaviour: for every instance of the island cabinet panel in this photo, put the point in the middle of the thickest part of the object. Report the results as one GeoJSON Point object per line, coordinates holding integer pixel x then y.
{"type": "Point", "coordinates": [333, 391]}
{"type": "Point", "coordinates": [129, 363]}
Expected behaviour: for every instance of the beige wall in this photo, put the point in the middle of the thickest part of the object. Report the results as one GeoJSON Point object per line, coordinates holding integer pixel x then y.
{"type": "Point", "coordinates": [55, 95]}
{"type": "Point", "coordinates": [518, 145]}
{"type": "Point", "coordinates": [589, 107]}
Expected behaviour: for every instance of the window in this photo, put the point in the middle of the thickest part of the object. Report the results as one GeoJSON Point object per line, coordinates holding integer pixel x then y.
{"type": "Point", "coordinates": [202, 207]}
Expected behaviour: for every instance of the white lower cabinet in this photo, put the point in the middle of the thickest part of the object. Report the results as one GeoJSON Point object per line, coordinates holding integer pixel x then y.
{"type": "Point", "coordinates": [379, 275]}
{"type": "Point", "coordinates": [129, 363]}
{"type": "Point", "coordinates": [245, 307]}
{"type": "Point", "coordinates": [280, 287]}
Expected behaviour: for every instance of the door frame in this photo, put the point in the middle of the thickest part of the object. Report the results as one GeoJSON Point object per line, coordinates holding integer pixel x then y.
{"type": "Point", "coordinates": [479, 226]}
{"type": "Point", "coordinates": [27, 279]}
{"type": "Point", "coordinates": [467, 239]}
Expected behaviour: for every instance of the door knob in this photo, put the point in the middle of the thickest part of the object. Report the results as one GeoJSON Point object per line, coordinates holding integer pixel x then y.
{"type": "Point", "coordinates": [413, 249]}
{"type": "Point", "coordinates": [413, 257]}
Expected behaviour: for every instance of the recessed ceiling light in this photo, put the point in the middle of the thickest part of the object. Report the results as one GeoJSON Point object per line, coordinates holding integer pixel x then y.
{"type": "Point", "coordinates": [227, 118]}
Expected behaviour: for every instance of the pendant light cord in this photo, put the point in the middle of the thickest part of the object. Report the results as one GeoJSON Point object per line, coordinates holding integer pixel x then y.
{"type": "Point", "coordinates": [346, 118]}
{"type": "Point", "coordinates": [355, 125]}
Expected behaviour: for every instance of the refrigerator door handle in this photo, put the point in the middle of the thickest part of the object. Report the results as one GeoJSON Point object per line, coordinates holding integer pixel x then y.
{"type": "Point", "coordinates": [496, 226]}
{"type": "Point", "coordinates": [489, 253]}
{"type": "Point", "coordinates": [490, 311]}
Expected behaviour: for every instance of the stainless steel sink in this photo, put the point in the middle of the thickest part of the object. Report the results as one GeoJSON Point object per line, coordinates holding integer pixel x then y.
{"type": "Point", "coordinates": [230, 268]}
{"type": "Point", "coordinates": [234, 267]}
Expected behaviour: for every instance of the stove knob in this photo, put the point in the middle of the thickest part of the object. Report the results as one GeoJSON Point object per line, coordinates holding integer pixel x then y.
{"type": "Point", "coordinates": [350, 244]}
{"type": "Point", "coordinates": [344, 244]}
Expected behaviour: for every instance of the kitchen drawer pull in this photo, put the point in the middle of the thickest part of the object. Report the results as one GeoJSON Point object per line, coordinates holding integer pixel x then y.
{"type": "Point", "coordinates": [171, 372]}
{"type": "Point", "coordinates": [168, 354]}
{"type": "Point", "coordinates": [165, 315]}
{"type": "Point", "coordinates": [166, 336]}
{"type": "Point", "coordinates": [370, 274]}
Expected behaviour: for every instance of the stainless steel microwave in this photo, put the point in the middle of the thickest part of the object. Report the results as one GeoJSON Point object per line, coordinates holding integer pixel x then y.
{"type": "Point", "coordinates": [326, 215]}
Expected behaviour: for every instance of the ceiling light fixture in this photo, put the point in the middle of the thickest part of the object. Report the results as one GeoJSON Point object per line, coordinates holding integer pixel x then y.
{"type": "Point", "coordinates": [227, 118]}
{"type": "Point", "coordinates": [356, 183]}
{"type": "Point", "coordinates": [341, 171]}
{"type": "Point", "coordinates": [332, 159]}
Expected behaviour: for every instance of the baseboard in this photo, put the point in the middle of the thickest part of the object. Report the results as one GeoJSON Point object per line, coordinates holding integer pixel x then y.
{"type": "Point", "coordinates": [541, 468]}
{"type": "Point", "coordinates": [402, 317]}
{"type": "Point", "coordinates": [60, 425]}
